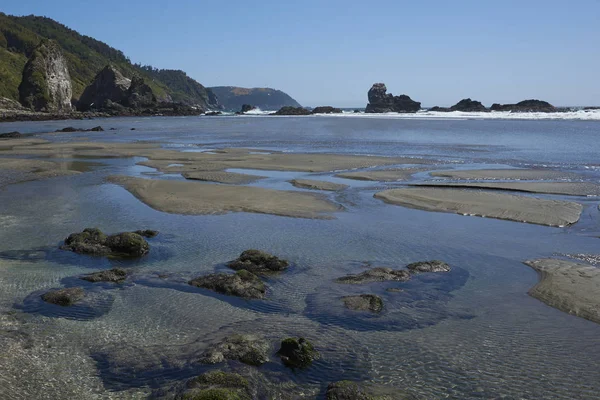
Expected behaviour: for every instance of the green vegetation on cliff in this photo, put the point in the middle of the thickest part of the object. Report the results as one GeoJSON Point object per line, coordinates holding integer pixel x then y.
{"type": "Point", "coordinates": [232, 98]}
{"type": "Point", "coordinates": [85, 56]}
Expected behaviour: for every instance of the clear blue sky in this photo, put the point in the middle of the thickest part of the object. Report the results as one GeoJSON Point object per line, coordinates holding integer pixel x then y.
{"type": "Point", "coordinates": [329, 52]}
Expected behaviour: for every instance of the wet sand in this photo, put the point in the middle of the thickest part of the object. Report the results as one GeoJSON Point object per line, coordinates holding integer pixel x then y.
{"type": "Point", "coordinates": [233, 178]}
{"type": "Point", "coordinates": [317, 185]}
{"type": "Point", "coordinates": [516, 174]}
{"type": "Point", "coordinates": [571, 287]}
{"type": "Point", "coordinates": [179, 197]}
{"type": "Point", "coordinates": [564, 188]}
{"type": "Point", "coordinates": [486, 204]}
{"type": "Point", "coordinates": [388, 175]}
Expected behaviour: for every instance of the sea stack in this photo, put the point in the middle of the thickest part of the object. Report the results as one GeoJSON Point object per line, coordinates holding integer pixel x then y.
{"type": "Point", "coordinates": [109, 86]}
{"type": "Point", "coordinates": [525, 106]}
{"type": "Point", "coordinates": [46, 84]}
{"type": "Point", "coordinates": [381, 102]}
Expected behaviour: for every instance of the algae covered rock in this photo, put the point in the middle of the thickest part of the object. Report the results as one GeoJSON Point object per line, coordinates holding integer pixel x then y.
{"type": "Point", "coordinates": [64, 297]}
{"type": "Point", "coordinates": [115, 275]}
{"type": "Point", "coordinates": [246, 348]}
{"type": "Point", "coordinates": [217, 385]}
{"type": "Point", "coordinates": [364, 302]}
{"type": "Point", "coordinates": [297, 353]}
{"type": "Point", "coordinates": [258, 262]}
{"type": "Point", "coordinates": [241, 284]}
{"type": "Point", "coordinates": [348, 390]}
{"type": "Point", "coordinates": [379, 274]}
{"type": "Point", "coordinates": [93, 241]}
{"type": "Point", "coordinates": [428, 266]}
{"type": "Point", "coordinates": [149, 233]}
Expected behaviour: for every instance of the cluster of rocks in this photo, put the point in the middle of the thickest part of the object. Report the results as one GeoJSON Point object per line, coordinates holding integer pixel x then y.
{"type": "Point", "coordinates": [382, 102]}
{"type": "Point", "coordinates": [245, 282]}
{"type": "Point", "coordinates": [93, 241]}
{"type": "Point", "coordinates": [303, 111]}
{"type": "Point", "coordinates": [70, 129]}
{"type": "Point", "coordinates": [374, 303]}
{"type": "Point", "coordinates": [468, 105]}
{"type": "Point", "coordinates": [465, 105]}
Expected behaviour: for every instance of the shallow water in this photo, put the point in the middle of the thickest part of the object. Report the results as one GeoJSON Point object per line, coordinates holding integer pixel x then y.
{"type": "Point", "coordinates": [474, 333]}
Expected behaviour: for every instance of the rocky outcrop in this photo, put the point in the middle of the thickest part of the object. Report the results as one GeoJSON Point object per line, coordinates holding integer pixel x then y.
{"type": "Point", "coordinates": [288, 110]}
{"type": "Point", "coordinates": [380, 274]}
{"type": "Point", "coordinates": [381, 102]}
{"type": "Point", "coordinates": [241, 284]}
{"type": "Point", "coordinates": [258, 262]}
{"type": "Point", "coordinates": [248, 349]}
{"type": "Point", "coordinates": [139, 95]}
{"type": "Point", "coordinates": [465, 105]}
{"type": "Point", "coordinates": [232, 98]}
{"type": "Point", "coordinates": [109, 86]}
{"type": "Point", "coordinates": [93, 241]}
{"type": "Point", "coordinates": [525, 106]}
{"type": "Point", "coordinates": [46, 83]}
{"type": "Point", "coordinates": [364, 302]}
{"type": "Point", "coordinates": [10, 104]}
{"type": "Point", "coordinates": [348, 390]}
{"type": "Point", "coordinates": [11, 135]}
{"type": "Point", "coordinates": [428, 266]}
{"type": "Point", "coordinates": [297, 353]}
{"type": "Point", "coordinates": [115, 275]}
{"type": "Point", "coordinates": [326, 110]}
{"type": "Point", "coordinates": [247, 107]}
{"type": "Point", "coordinates": [70, 129]}
{"type": "Point", "coordinates": [64, 297]}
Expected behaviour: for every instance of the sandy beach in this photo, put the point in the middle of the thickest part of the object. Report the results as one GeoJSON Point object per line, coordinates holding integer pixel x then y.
{"type": "Point", "coordinates": [564, 188]}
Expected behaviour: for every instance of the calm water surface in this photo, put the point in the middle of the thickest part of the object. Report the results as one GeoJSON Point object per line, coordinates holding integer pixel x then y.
{"type": "Point", "coordinates": [473, 333]}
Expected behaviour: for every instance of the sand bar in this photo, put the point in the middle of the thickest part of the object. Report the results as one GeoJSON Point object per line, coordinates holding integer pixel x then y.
{"type": "Point", "coordinates": [180, 197]}
{"type": "Point", "coordinates": [317, 185]}
{"type": "Point", "coordinates": [16, 170]}
{"type": "Point", "coordinates": [488, 204]}
{"type": "Point", "coordinates": [388, 175]}
{"type": "Point", "coordinates": [516, 174]}
{"type": "Point", "coordinates": [565, 188]}
{"type": "Point", "coordinates": [233, 178]}
{"type": "Point", "coordinates": [571, 287]}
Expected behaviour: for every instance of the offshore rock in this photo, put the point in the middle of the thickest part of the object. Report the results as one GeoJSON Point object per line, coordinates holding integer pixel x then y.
{"type": "Point", "coordinates": [258, 262]}
{"type": "Point", "coordinates": [326, 110]}
{"type": "Point", "coordinates": [93, 242]}
{"type": "Point", "coordinates": [465, 105]}
{"type": "Point", "coordinates": [381, 102]}
{"type": "Point", "coordinates": [289, 110]}
{"type": "Point", "coordinates": [241, 284]}
{"type": "Point", "coordinates": [525, 106]}
{"type": "Point", "coordinates": [46, 84]}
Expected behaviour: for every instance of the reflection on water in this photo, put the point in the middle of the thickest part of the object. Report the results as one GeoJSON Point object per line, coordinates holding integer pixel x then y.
{"type": "Point", "coordinates": [471, 333]}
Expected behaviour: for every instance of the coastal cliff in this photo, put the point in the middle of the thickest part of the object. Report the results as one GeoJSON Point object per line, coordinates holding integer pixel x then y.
{"type": "Point", "coordinates": [232, 98]}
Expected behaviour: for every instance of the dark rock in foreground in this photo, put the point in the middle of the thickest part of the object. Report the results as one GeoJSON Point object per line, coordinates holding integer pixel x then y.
{"type": "Point", "coordinates": [348, 390]}
{"type": "Point", "coordinates": [248, 349]}
{"type": "Point", "coordinates": [376, 275]}
{"type": "Point", "coordinates": [297, 353]}
{"type": "Point", "coordinates": [428, 266]}
{"type": "Point", "coordinates": [241, 284]}
{"type": "Point", "coordinates": [525, 106]}
{"type": "Point", "coordinates": [381, 102]}
{"type": "Point", "coordinates": [213, 113]}
{"type": "Point", "coordinates": [64, 297]}
{"type": "Point", "coordinates": [364, 302]}
{"type": "Point", "coordinates": [10, 135]}
{"type": "Point", "coordinates": [217, 385]}
{"type": "Point", "coordinates": [326, 110]}
{"type": "Point", "coordinates": [288, 110]}
{"type": "Point", "coordinates": [115, 275]}
{"type": "Point", "coordinates": [258, 262]}
{"type": "Point", "coordinates": [247, 107]}
{"type": "Point", "coordinates": [70, 129]}
{"type": "Point", "coordinates": [93, 242]}
{"type": "Point", "coordinates": [465, 105]}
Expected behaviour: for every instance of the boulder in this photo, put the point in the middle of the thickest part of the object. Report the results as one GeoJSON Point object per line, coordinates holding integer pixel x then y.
{"type": "Point", "coordinates": [364, 302]}
{"type": "Point", "coordinates": [525, 106]}
{"type": "Point", "coordinates": [248, 349]}
{"type": "Point", "coordinates": [468, 105]}
{"type": "Point", "coordinates": [213, 113]}
{"type": "Point", "coordinates": [326, 110]}
{"type": "Point", "coordinates": [149, 233]}
{"type": "Point", "coordinates": [217, 385]}
{"type": "Point", "coordinates": [139, 95]}
{"type": "Point", "coordinates": [70, 129]}
{"type": "Point", "coordinates": [64, 297]}
{"type": "Point", "coordinates": [108, 85]}
{"type": "Point", "coordinates": [241, 284]}
{"type": "Point", "coordinates": [381, 102]}
{"type": "Point", "coordinates": [379, 274]}
{"type": "Point", "coordinates": [11, 135]}
{"type": "Point", "coordinates": [289, 110]}
{"type": "Point", "coordinates": [297, 353]}
{"type": "Point", "coordinates": [115, 275]}
{"type": "Point", "coordinates": [428, 266]}
{"type": "Point", "coordinates": [247, 107]}
{"type": "Point", "coordinates": [46, 83]}
{"type": "Point", "coordinates": [348, 390]}
{"type": "Point", "coordinates": [258, 262]}
{"type": "Point", "coordinates": [93, 241]}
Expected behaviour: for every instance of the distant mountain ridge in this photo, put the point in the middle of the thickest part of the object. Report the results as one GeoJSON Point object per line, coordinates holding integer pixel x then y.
{"type": "Point", "coordinates": [86, 56]}
{"type": "Point", "coordinates": [232, 98]}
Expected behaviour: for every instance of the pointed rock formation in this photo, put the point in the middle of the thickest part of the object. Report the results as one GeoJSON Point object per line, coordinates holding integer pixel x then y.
{"type": "Point", "coordinates": [139, 94]}
{"type": "Point", "coordinates": [380, 101]}
{"type": "Point", "coordinates": [46, 84]}
{"type": "Point", "coordinates": [109, 86]}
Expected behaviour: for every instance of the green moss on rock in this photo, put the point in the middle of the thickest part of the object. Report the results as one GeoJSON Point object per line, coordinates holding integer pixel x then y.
{"type": "Point", "coordinates": [258, 262]}
{"type": "Point", "coordinates": [297, 353]}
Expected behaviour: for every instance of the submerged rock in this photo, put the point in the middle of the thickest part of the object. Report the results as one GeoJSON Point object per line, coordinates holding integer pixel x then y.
{"type": "Point", "coordinates": [241, 284]}
{"type": "Point", "coordinates": [348, 390]}
{"type": "Point", "coordinates": [297, 353]}
{"type": "Point", "coordinates": [115, 275]}
{"type": "Point", "coordinates": [258, 262]}
{"type": "Point", "coordinates": [149, 233]}
{"type": "Point", "coordinates": [428, 266]}
{"type": "Point", "coordinates": [381, 102]}
{"type": "Point", "coordinates": [248, 349]}
{"type": "Point", "coordinates": [217, 385]}
{"type": "Point", "coordinates": [289, 110]}
{"type": "Point", "coordinates": [326, 110]}
{"type": "Point", "coordinates": [64, 297]}
{"type": "Point", "coordinates": [93, 242]}
{"type": "Point", "coordinates": [364, 302]}
{"type": "Point", "coordinates": [379, 274]}
{"type": "Point", "coordinates": [46, 84]}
